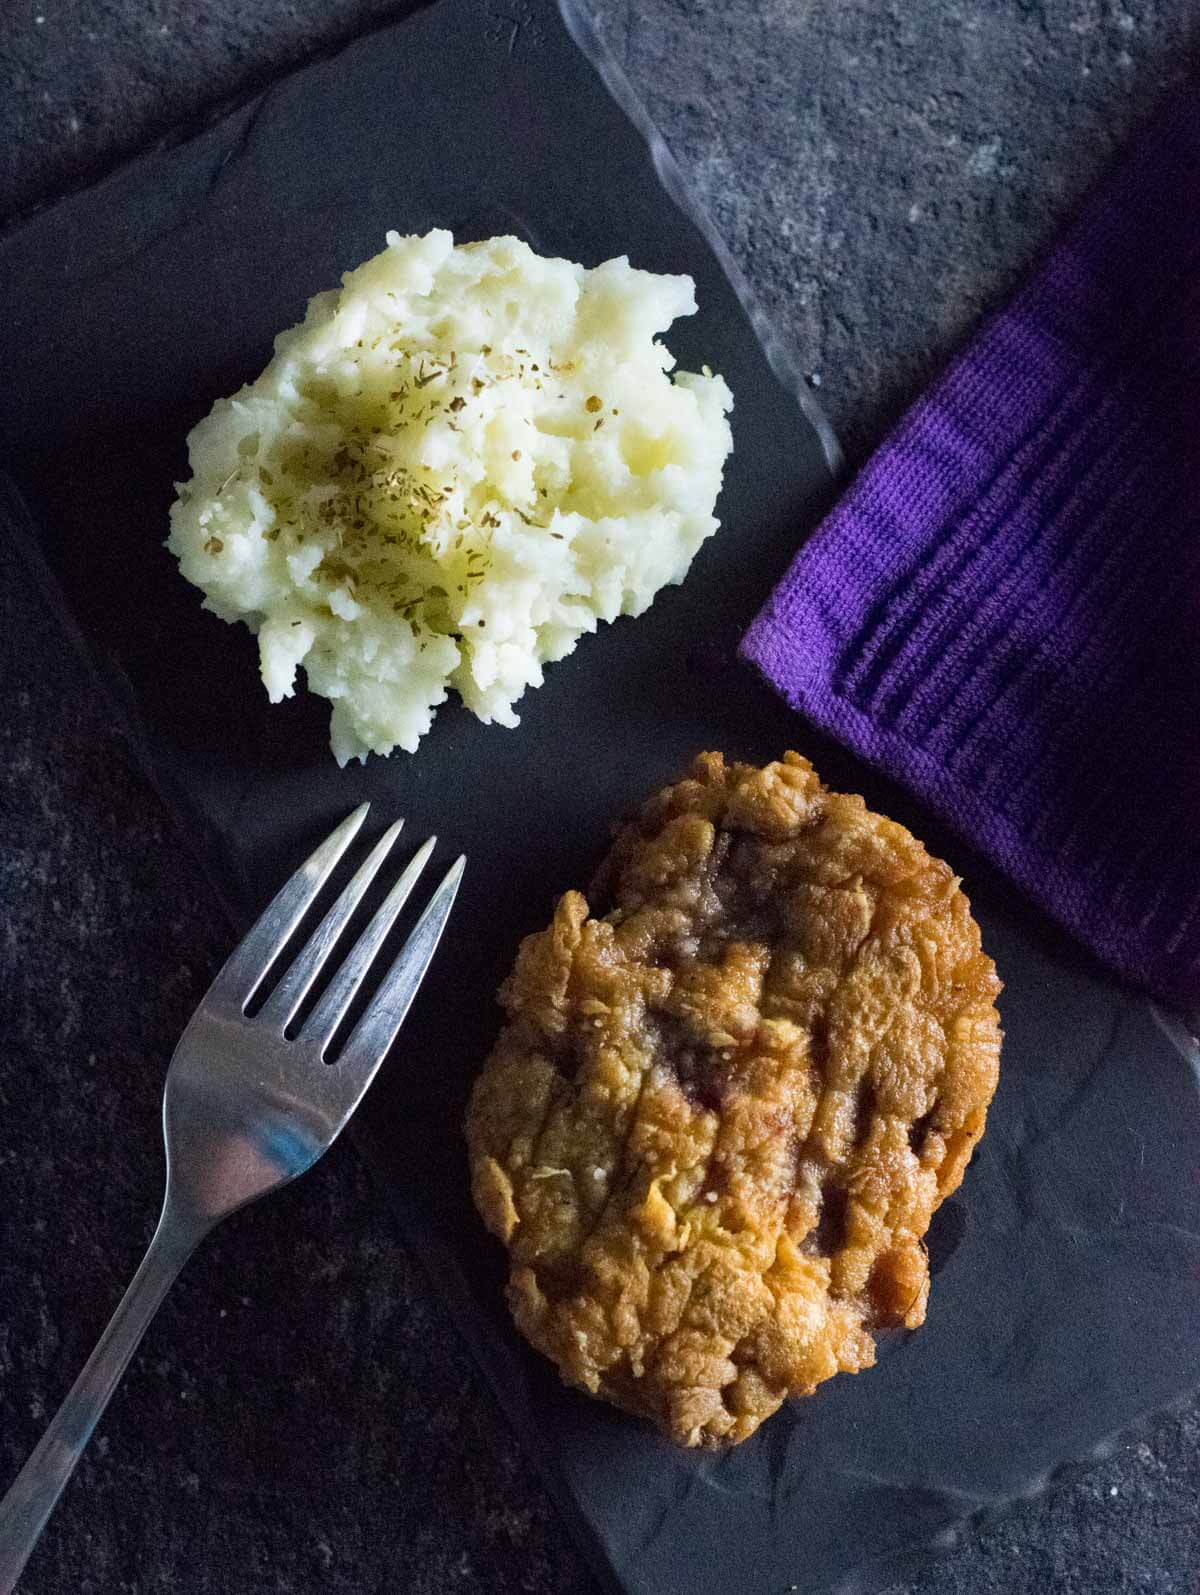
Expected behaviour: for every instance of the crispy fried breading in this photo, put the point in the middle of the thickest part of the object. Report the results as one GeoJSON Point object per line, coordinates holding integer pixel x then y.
{"type": "Point", "coordinates": [724, 1109]}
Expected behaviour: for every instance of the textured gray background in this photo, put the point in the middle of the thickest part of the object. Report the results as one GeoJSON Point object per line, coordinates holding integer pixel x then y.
{"type": "Point", "coordinates": [301, 1415]}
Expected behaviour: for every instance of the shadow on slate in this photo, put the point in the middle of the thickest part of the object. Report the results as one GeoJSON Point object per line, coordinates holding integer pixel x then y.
{"type": "Point", "coordinates": [1067, 1302]}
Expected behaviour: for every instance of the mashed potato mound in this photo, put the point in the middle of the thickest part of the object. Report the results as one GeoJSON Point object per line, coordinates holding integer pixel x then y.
{"type": "Point", "coordinates": [453, 468]}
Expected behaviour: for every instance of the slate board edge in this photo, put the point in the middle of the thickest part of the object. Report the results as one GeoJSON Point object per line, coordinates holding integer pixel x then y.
{"type": "Point", "coordinates": [193, 125]}
{"type": "Point", "coordinates": [114, 688]}
{"type": "Point", "coordinates": [578, 22]}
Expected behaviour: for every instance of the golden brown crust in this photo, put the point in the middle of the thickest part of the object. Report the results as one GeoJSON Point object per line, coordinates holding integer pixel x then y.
{"type": "Point", "coordinates": [720, 1117]}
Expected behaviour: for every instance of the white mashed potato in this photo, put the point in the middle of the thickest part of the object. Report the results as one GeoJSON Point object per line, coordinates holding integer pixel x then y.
{"type": "Point", "coordinates": [459, 463]}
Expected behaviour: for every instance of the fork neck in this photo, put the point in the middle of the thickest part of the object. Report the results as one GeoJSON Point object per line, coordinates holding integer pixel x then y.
{"type": "Point", "coordinates": [181, 1226]}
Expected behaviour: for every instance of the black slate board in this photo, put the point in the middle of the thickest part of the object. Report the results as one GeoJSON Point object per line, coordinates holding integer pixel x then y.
{"type": "Point", "coordinates": [1067, 1300]}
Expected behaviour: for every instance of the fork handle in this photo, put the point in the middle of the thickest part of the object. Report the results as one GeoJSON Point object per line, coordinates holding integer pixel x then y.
{"type": "Point", "coordinates": [36, 1489]}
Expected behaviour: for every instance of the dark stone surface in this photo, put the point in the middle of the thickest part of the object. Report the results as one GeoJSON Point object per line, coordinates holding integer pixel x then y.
{"type": "Point", "coordinates": [301, 1415]}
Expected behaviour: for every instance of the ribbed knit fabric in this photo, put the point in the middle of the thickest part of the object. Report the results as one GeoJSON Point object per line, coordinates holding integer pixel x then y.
{"type": "Point", "coordinates": [1004, 610]}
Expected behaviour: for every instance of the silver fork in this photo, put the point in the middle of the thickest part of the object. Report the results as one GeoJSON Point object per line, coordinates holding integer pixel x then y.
{"type": "Point", "coordinates": [245, 1110]}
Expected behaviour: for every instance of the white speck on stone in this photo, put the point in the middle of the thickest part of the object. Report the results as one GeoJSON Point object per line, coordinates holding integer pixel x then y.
{"type": "Point", "coordinates": [914, 212]}
{"type": "Point", "coordinates": [224, 1313]}
{"type": "Point", "coordinates": [1125, 22]}
{"type": "Point", "coordinates": [710, 1196]}
{"type": "Point", "coordinates": [325, 1552]}
{"type": "Point", "coordinates": [815, 379]}
{"type": "Point", "coordinates": [1124, 60]}
{"type": "Point", "coordinates": [597, 1175]}
{"type": "Point", "coordinates": [1114, 1491]}
{"type": "Point", "coordinates": [984, 160]}
{"type": "Point", "coordinates": [164, 29]}
{"type": "Point", "coordinates": [39, 19]}
{"type": "Point", "coordinates": [75, 124]}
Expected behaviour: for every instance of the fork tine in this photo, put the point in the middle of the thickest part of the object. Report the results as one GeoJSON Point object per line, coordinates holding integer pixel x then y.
{"type": "Point", "coordinates": [376, 1030]}
{"type": "Point", "coordinates": [292, 989]}
{"type": "Point", "coordinates": [329, 1012]}
{"type": "Point", "coordinates": [244, 969]}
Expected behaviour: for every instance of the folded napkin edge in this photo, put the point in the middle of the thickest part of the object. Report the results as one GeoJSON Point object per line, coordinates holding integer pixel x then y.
{"type": "Point", "coordinates": [1059, 893]}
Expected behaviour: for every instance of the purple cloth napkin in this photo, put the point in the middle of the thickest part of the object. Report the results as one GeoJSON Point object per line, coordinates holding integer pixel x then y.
{"type": "Point", "coordinates": [1004, 610]}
